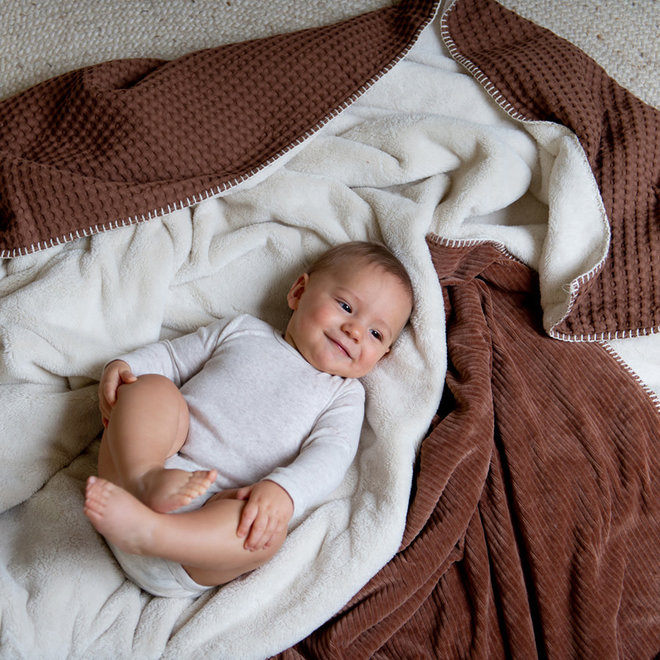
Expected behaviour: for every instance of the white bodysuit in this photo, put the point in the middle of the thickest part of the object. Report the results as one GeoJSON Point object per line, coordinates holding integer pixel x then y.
{"type": "Point", "coordinates": [258, 409]}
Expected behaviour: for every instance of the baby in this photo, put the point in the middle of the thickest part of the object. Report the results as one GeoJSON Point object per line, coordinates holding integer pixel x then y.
{"type": "Point", "coordinates": [213, 440]}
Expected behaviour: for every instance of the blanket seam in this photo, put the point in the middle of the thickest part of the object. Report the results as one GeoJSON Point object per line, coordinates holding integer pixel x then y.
{"type": "Point", "coordinates": [471, 242]}
{"type": "Point", "coordinates": [655, 399]}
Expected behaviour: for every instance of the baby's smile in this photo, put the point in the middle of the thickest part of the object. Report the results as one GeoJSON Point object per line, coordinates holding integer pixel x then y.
{"type": "Point", "coordinates": [340, 346]}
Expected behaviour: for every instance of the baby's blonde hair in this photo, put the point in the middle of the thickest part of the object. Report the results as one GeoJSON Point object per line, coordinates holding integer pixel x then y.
{"type": "Point", "coordinates": [346, 254]}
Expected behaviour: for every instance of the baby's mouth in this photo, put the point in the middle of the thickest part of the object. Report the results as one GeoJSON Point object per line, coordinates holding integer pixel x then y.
{"type": "Point", "coordinates": [341, 347]}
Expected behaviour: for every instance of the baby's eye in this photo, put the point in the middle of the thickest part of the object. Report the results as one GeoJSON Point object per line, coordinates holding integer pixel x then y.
{"type": "Point", "coordinates": [376, 335]}
{"type": "Point", "coordinates": [345, 306]}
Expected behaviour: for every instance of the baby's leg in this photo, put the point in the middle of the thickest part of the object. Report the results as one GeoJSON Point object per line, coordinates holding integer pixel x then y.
{"type": "Point", "coordinates": [203, 541]}
{"type": "Point", "coordinates": [148, 424]}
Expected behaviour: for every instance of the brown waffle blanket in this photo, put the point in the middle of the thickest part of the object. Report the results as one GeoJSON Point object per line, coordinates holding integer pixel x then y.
{"type": "Point", "coordinates": [129, 140]}
{"type": "Point", "coordinates": [534, 523]}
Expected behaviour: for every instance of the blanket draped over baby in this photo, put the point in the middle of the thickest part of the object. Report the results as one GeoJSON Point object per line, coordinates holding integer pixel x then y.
{"type": "Point", "coordinates": [504, 500]}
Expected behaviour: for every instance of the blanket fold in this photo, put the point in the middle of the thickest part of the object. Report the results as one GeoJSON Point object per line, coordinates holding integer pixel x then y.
{"type": "Point", "coordinates": [536, 75]}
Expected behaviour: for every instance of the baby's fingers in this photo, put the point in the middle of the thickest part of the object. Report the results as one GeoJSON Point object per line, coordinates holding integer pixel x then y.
{"type": "Point", "coordinates": [108, 393]}
{"type": "Point", "coordinates": [127, 376]}
{"type": "Point", "coordinates": [260, 534]}
{"type": "Point", "coordinates": [106, 401]}
{"type": "Point", "coordinates": [248, 516]}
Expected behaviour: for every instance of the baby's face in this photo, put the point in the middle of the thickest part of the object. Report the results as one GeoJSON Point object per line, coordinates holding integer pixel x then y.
{"type": "Point", "coordinates": [343, 323]}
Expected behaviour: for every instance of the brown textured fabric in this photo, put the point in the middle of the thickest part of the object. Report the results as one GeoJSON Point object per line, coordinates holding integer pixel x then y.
{"type": "Point", "coordinates": [534, 524]}
{"type": "Point", "coordinates": [127, 140]}
{"type": "Point", "coordinates": [533, 528]}
{"type": "Point", "coordinates": [545, 77]}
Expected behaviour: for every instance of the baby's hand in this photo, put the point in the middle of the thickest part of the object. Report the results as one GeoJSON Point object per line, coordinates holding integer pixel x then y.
{"type": "Point", "coordinates": [115, 374]}
{"type": "Point", "coordinates": [265, 515]}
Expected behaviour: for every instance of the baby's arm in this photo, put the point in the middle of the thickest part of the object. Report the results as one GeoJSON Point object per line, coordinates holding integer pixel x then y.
{"type": "Point", "coordinates": [265, 515]}
{"type": "Point", "coordinates": [327, 452]}
{"type": "Point", "coordinates": [177, 359]}
{"type": "Point", "coordinates": [116, 373]}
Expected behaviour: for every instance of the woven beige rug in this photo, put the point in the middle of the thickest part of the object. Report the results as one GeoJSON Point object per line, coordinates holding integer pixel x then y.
{"type": "Point", "coordinates": [41, 39]}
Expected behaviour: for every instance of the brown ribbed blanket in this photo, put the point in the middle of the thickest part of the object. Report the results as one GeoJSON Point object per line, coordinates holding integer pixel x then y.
{"type": "Point", "coordinates": [534, 522]}
{"type": "Point", "coordinates": [533, 528]}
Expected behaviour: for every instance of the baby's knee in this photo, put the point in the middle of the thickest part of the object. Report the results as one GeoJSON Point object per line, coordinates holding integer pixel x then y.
{"type": "Point", "coordinates": [156, 381]}
{"type": "Point", "coordinates": [152, 385]}
{"type": "Point", "coordinates": [153, 392]}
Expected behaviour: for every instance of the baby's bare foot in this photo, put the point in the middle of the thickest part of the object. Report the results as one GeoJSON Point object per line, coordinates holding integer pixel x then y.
{"type": "Point", "coordinates": [119, 516]}
{"type": "Point", "coordinates": [167, 490]}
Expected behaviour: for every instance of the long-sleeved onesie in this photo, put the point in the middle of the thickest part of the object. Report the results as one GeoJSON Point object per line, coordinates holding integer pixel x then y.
{"type": "Point", "coordinates": [258, 409]}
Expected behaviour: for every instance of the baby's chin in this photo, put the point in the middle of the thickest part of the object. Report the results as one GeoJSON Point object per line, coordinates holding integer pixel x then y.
{"type": "Point", "coordinates": [342, 368]}
{"type": "Point", "coordinates": [335, 370]}
{"type": "Point", "coordinates": [348, 373]}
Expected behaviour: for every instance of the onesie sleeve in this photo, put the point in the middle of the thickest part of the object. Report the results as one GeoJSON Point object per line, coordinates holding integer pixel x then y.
{"type": "Point", "coordinates": [327, 452]}
{"type": "Point", "coordinates": [178, 359]}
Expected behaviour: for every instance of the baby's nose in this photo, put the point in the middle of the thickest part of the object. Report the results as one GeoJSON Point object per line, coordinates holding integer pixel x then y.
{"type": "Point", "coordinates": [353, 330]}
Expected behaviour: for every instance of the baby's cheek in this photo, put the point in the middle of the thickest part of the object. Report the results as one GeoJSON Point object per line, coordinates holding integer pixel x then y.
{"type": "Point", "coordinates": [324, 312]}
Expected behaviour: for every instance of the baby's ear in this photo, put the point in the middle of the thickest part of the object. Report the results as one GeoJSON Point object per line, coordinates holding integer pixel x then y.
{"type": "Point", "coordinates": [296, 291]}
